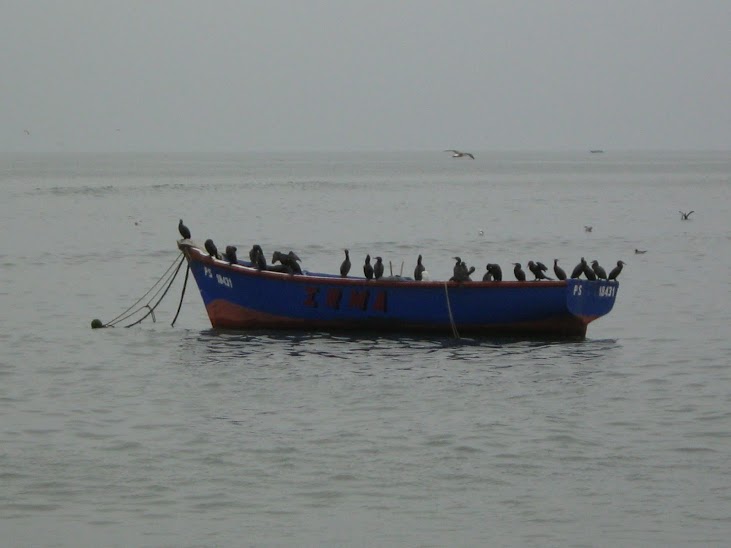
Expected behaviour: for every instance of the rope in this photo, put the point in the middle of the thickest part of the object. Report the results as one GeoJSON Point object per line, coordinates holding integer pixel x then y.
{"type": "Point", "coordinates": [449, 309]}
{"type": "Point", "coordinates": [152, 309]}
{"type": "Point", "coordinates": [185, 283]}
{"type": "Point", "coordinates": [124, 315]}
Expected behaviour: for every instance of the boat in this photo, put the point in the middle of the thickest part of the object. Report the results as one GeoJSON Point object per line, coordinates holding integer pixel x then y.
{"type": "Point", "coordinates": [239, 296]}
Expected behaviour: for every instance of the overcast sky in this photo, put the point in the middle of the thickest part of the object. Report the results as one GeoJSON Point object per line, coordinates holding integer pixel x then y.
{"type": "Point", "coordinates": [193, 75]}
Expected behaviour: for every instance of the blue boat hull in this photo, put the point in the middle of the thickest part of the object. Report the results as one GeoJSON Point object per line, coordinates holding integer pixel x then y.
{"type": "Point", "coordinates": [240, 297]}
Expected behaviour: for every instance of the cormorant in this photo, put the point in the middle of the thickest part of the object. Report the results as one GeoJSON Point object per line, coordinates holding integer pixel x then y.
{"type": "Point", "coordinates": [461, 272]}
{"type": "Point", "coordinates": [231, 254]}
{"type": "Point", "coordinates": [211, 248]}
{"type": "Point", "coordinates": [184, 230]}
{"type": "Point", "coordinates": [288, 260]}
{"type": "Point", "coordinates": [588, 272]}
{"type": "Point", "coordinates": [256, 256]}
{"type": "Point", "coordinates": [518, 271]}
{"type": "Point", "coordinates": [579, 269]}
{"type": "Point", "coordinates": [419, 270]}
{"type": "Point", "coordinates": [640, 251]}
{"type": "Point", "coordinates": [458, 154]}
{"type": "Point", "coordinates": [588, 228]}
{"type": "Point", "coordinates": [598, 270]}
{"type": "Point", "coordinates": [378, 269]}
{"type": "Point", "coordinates": [487, 276]}
{"type": "Point", "coordinates": [538, 270]}
{"type": "Point", "coordinates": [616, 270]}
{"type": "Point", "coordinates": [684, 216]}
{"type": "Point", "coordinates": [368, 268]}
{"type": "Point", "coordinates": [345, 266]}
{"type": "Point", "coordinates": [496, 271]}
{"type": "Point", "coordinates": [558, 271]}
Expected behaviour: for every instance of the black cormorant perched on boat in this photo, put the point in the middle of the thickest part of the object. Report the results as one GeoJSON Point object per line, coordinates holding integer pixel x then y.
{"type": "Point", "coordinates": [588, 272]}
{"type": "Point", "coordinates": [685, 216]}
{"type": "Point", "coordinates": [518, 271]}
{"type": "Point", "coordinates": [288, 260]}
{"type": "Point", "coordinates": [487, 276]}
{"type": "Point", "coordinates": [368, 268]}
{"type": "Point", "coordinates": [419, 270]}
{"type": "Point", "coordinates": [598, 270]}
{"type": "Point", "coordinates": [461, 273]}
{"type": "Point", "coordinates": [538, 270]}
{"type": "Point", "coordinates": [345, 266]}
{"type": "Point", "coordinates": [231, 254]}
{"type": "Point", "coordinates": [212, 249]}
{"type": "Point", "coordinates": [496, 271]}
{"type": "Point", "coordinates": [558, 271]}
{"type": "Point", "coordinates": [579, 269]}
{"type": "Point", "coordinates": [378, 268]}
{"type": "Point", "coordinates": [184, 230]}
{"type": "Point", "coordinates": [616, 270]}
{"type": "Point", "coordinates": [256, 256]}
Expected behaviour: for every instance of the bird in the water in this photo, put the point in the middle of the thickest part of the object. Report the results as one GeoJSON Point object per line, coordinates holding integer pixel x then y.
{"type": "Point", "coordinates": [685, 216]}
{"type": "Point", "coordinates": [481, 232]}
{"type": "Point", "coordinates": [256, 256]}
{"type": "Point", "coordinates": [616, 270]}
{"type": "Point", "coordinates": [588, 228]}
{"type": "Point", "coordinates": [598, 270]}
{"type": "Point", "coordinates": [231, 254]}
{"type": "Point", "coordinates": [558, 271]}
{"type": "Point", "coordinates": [518, 271]}
{"type": "Point", "coordinates": [378, 268]}
{"type": "Point", "coordinates": [640, 251]}
{"type": "Point", "coordinates": [211, 248]}
{"type": "Point", "coordinates": [419, 270]}
{"type": "Point", "coordinates": [538, 269]}
{"type": "Point", "coordinates": [458, 154]}
{"type": "Point", "coordinates": [588, 272]}
{"type": "Point", "coordinates": [579, 269]}
{"type": "Point", "coordinates": [184, 230]}
{"type": "Point", "coordinates": [496, 271]}
{"type": "Point", "coordinates": [368, 268]}
{"type": "Point", "coordinates": [345, 266]}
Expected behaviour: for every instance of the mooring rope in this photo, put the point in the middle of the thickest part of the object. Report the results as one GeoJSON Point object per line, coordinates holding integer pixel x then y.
{"type": "Point", "coordinates": [152, 308]}
{"type": "Point", "coordinates": [131, 311]}
{"type": "Point", "coordinates": [449, 309]}
{"type": "Point", "coordinates": [182, 294]}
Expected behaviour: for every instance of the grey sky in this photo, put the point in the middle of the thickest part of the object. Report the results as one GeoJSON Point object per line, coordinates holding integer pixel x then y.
{"type": "Point", "coordinates": [368, 75]}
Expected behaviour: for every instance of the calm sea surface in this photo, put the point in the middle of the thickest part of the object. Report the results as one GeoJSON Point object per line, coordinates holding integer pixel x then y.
{"type": "Point", "coordinates": [184, 436]}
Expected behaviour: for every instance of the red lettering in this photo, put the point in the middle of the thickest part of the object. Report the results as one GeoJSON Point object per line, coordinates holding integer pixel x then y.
{"type": "Point", "coordinates": [380, 304]}
{"type": "Point", "coordinates": [358, 300]}
{"type": "Point", "coordinates": [332, 299]}
{"type": "Point", "coordinates": [311, 294]}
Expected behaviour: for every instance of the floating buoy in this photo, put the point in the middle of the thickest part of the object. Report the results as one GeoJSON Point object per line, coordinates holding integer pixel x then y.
{"type": "Point", "coordinates": [96, 324]}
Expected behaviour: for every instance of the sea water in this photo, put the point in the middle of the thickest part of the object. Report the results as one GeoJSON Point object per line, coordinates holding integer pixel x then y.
{"type": "Point", "coordinates": [162, 435]}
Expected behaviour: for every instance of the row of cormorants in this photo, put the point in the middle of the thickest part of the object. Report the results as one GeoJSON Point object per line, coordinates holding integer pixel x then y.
{"type": "Point", "coordinates": [288, 262]}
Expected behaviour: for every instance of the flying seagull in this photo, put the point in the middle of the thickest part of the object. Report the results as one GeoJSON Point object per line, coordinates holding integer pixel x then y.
{"type": "Point", "coordinates": [685, 216]}
{"type": "Point", "coordinates": [458, 154]}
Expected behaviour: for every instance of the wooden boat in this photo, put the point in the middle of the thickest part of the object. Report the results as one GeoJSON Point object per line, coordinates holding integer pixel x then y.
{"type": "Point", "coordinates": [238, 296]}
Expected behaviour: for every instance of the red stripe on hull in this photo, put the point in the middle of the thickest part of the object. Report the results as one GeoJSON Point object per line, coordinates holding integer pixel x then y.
{"type": "Point", "coordinates": [226, 315]}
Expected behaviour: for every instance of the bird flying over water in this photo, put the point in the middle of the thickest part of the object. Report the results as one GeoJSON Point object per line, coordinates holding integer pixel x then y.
{"type": "Point", "coordinates": [685, 216]}
{"type": "Point", "coordinates": [458, 154]}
